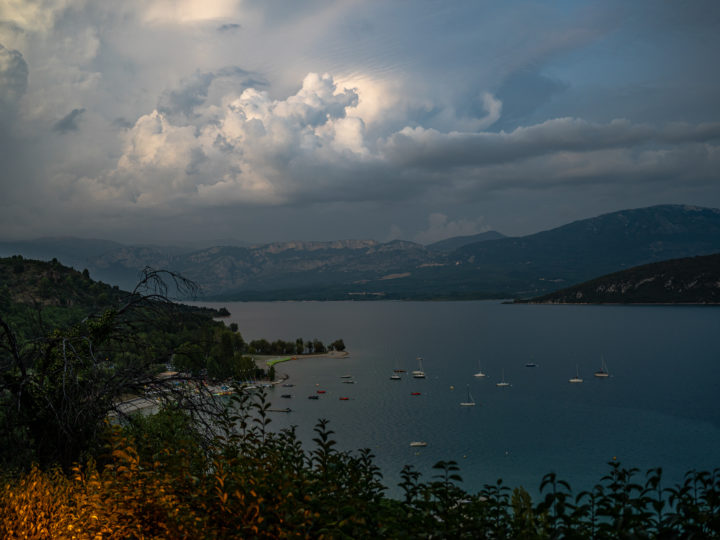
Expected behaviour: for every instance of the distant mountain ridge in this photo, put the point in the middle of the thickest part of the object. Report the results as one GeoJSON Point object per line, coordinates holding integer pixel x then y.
{"type": "Point", "coordinates": [488, 265]}
{"type": "Point", "coordinates": [451, 244]}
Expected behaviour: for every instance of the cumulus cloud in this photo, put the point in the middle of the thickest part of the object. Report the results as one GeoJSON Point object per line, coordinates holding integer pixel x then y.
{"type": "Point", "coordinates": [244, 149]}
{"type": "Point", "coordinates": [193, 91]}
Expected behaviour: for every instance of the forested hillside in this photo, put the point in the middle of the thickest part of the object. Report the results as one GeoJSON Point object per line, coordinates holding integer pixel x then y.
{"type": "Point", "coordinates": [690, 280]}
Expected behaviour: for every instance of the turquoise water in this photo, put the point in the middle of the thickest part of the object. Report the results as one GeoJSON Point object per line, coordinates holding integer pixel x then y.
{"type": "Point", "coordinates": [658, 408]}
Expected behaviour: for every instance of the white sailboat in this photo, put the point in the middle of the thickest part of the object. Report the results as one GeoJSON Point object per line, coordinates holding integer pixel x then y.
{"type": "Point", "coordinates": [576, 378]}
{"type": "Point", "coordinates": [502, 383]}
{"type": "Point", "coordinates": [470, 401]}
{"type": "Point", "coordinates": [603, 371]}
{"type": "Point", "coordinates": [480, 372]}
{"type": "Point", "coordinates": [419, 373]}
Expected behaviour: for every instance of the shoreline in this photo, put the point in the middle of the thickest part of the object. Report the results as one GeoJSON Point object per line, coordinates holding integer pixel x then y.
{"type": "Point", "coordinates": [271, 360]}
{"type": "Point", "coordinates": [138, 403]}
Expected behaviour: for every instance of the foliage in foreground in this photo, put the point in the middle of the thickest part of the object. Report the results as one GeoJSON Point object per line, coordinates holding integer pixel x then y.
{"type": "Point", "coordinates": [254, 483]}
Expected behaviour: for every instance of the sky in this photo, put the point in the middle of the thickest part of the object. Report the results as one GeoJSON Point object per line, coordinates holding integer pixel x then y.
{"type": "Point", "coordinates": [249, 121]}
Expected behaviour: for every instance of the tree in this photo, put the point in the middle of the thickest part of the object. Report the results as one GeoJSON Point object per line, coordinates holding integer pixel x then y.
{"type": "Point", "coordinates": [56, 391]}
{"type": "Point", "coordinates": [318, 346]}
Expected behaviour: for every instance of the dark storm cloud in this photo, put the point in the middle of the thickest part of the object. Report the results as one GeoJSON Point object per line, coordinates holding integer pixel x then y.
{"type": "Point", "coordinates": [522, 93]}
{"type": "Point", "coordinates": [229, 27]}
{"type": "Point", "coordinates": [13, 82]}
{"type": "Point", "coordinates": [122, 123]}
{"type": "Point", "coordinates": [429, 148]}
{"type": "Point", "coordinates": [68, 123]}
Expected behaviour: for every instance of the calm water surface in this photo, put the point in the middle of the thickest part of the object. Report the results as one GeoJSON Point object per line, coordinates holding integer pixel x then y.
{"type": "Point", "coordinates": [660, 407]}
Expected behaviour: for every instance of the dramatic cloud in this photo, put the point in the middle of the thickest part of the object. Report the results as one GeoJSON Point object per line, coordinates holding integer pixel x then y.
{"type": "Point", "coordinates": [13, 82]}
{"type": "Point", "coordinates": [69, 122]}
{"type": "Point", "coordinates": [266, 120]}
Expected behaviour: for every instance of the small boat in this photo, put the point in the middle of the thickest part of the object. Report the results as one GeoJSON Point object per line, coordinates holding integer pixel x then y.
{"type": "Point", "coordinates": [399, 370]}
{"type": "Point", "coordinates": [576, 378]}
{"type": "Point", "coordinates": [348, 382]}
{"type": "Point", "coordinates": [470, 401]}
{"type": "Point", "coordinates": [418, 443]}
{"type": "Point", "coordinates": [480, 372]}
{"type": "Point", "coordinates": [344, 398]}
{"type": "Point", "coordinates": [288, 385]}
{"type": "Point", "coordinates": [321, 391]}
{"type": "Point", "coordinates": [313, 397]}
{"type": "Point", "coordinates": [414, 393]}
{"type": "Point", "coordinates": [346, 376]}
{"type": "Point", "coordinates": [502, 383]}
{"type": "Point", "coordinates": [395, 377]}
{"type": "Point", "coordinates": [419, 373]}
{"type": "Point", "coordinates": [286, 396]}
{"type": "Point", "coordinates": [530, 364]}
{"type": "Point", "coordinates": [603, 371]}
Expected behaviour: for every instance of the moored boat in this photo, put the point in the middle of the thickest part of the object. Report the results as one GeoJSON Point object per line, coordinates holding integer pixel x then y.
{"type": "Point", "coordinates": [603, 371]}
{"type": "Point", "coordinates": [419, 373]}
{"type": "Point", "coordinates": [576, 379]}
{"type": "Point", "coordinates": [470, 402]}
{"type": "Point", "coordinates": [502, 383]}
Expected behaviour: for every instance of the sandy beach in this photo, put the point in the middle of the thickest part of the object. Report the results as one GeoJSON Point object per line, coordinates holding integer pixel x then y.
{"type": "Point", "coordinates": [143, 402]}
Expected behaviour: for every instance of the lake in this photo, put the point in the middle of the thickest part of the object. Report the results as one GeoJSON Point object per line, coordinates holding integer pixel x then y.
{"type": "Point", "coordinates": [659, 407]}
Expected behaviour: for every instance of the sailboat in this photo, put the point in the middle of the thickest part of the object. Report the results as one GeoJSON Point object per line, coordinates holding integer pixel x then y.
{"type": "Point", "coordinates": [396, 372]}
{"type": "Point", "coordinates": [603, 371]}
{"type": "Point", "coordinates": [480, 372]}
{"type": "Point", "coordinates": [470, 401]}
{"type": "Point", "coordinates": [502, 383]}
{"type": "Point", "coordinates": [576, 378]}
{"type": "Point", "coordinates": [419, 373]}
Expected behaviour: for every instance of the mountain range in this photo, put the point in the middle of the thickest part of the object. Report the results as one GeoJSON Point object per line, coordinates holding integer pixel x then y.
{"type": "Point", "coordinates": [488, 265]}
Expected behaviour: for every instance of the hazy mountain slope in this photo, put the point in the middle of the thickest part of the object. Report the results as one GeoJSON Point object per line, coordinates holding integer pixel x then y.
{"type": "Point", "coordinates": [501, 268]}
{"type": "Point", "coordinates": [451, 244]}
{"type": "Point", "coordinates": [277, 266]}
{"type": "Point", "coordinates": [690, 280]}
{"type": "Point", "coordinates": [76, 252]}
